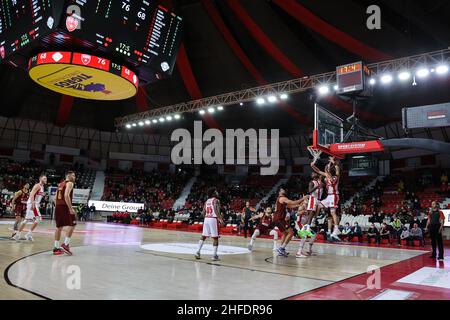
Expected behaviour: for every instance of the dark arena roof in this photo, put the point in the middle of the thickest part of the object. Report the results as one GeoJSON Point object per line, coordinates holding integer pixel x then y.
{"type": "Point", "coordinates": [232, 45]}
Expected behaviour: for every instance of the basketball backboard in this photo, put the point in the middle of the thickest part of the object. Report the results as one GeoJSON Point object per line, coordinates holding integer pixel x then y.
{"type": "Point", "coordinates": [328, 137]}
{"type": "Point", "coordinates": [329, 127]}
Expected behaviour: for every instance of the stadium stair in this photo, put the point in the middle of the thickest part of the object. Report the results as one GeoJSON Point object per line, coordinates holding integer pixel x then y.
{"type": "Point", "coordinates": [181, 201]}
{"type": "Point", "coordinates": [99, 186]}
{"type": "Point", "coordinates": [275, 188]}
{"type": "Point", "coordinates": [365, 189]}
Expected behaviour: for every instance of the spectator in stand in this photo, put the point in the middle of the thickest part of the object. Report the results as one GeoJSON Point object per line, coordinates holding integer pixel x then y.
{"type": "Point", "coordinates": [396, 228]}
{"type": "Point", "coordinates": [415, 234]}
{"type": "Point", "coordinates": [401, 186]}
{"type": "Point", "coordinates": [385, 232]}
{"type": "Point", "coordinates": [356, 232]}
{"type": "Point", "coordinates": [247, 214]}
{"type": "Point", "coordinates": [354, 211]}
{"type": "Point", "coordinates": [435, 227]}
{"type": "Point", "coordinates": [416, 203]}
{"type": "Point", "coordinates": [171, 216]}
{"type": "Point", "coordinates": [405, 234]}
{"type": "Point", "coordinates": [444, 182]}
{"type": "Point", "coordinates": [346, 232]}
{"type": "Point", "coordinates": [373, 233]}
{"type": "Point", "coordinates": [378, 203]}
{"type": "Point", "coordinates": [414, 220]}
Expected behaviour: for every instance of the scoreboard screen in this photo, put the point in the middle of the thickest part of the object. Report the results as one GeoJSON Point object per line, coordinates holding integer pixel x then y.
{"type": "Point", "coordinates": [22, 22]}
{"type": "Point", "coordinates": [140, 31]}
{"type": "Point", "coordinates": [363, 166]}
{"type": "Point", "coordinates": [352, 79]}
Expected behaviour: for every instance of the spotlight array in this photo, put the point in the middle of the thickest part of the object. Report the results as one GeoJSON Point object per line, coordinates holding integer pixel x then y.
{"type": "Point", "coordinates": [271, 99]}
{"type": "Point", "coordinates": [388, 78]}
{"type": "Point", "coordinates": [148, 122]}
{"type": "Point", "coordinates": [211, 110]}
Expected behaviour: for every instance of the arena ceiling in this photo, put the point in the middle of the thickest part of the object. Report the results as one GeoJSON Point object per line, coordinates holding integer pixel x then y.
{"type": "Point", "coordinates": [229, 45]}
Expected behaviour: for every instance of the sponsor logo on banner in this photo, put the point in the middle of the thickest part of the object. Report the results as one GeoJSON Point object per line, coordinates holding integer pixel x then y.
{"type": "Point", "coordinates": [81, 196]}
{"type": "Point", "coordinates": [116, 206]}
{"type": "Point", "coordinates": [447, 218]}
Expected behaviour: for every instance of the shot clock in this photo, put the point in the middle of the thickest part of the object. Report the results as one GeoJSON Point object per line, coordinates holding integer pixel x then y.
{"type": "Point", "coordinates": [353, 80]}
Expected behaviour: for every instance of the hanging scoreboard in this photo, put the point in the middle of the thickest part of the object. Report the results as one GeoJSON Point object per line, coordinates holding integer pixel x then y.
{"type": "Point", "coordinates": [140, 34]}
{"type": "Point", "coordinates": [141, 31]}
{"type": "Point", "coordinates": [23, 22]}
{"type": "Point", "coordinates": [353, 79]}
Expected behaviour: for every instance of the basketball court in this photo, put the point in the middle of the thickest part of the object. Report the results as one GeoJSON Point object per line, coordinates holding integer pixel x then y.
{"type": "Point", "coordinates": [124, 262]}
{"type": "Point", "coordinates": [162, 131]}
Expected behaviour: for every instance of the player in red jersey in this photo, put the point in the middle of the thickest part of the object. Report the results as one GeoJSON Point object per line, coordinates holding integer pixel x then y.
{"type": "Point", "coordinates": [281, 218]}
{"type": "Point", "coordinates": [264, 227]}
{"type": "Point", "coordinates": [64, 214]}
{"type": "Point", "coordinates": [32, 211]}
{"type": "Point", "coordinates": [315, 191]}
{"type": "Point", "coordinates": [19, 204]}
{"type": "Point", "coordinates": [303, 234]}
{"type": "Point", "coordinates": [332, 175]}
{"type": "Point", "coordinates": [213, 217]}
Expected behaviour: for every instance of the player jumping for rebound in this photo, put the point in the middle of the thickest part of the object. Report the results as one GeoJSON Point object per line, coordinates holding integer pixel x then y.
{"type": "Point", "coordinates": [281, 219]}
{"type": "Point", "coordinates": [315, 191]}
{"type": "Point", "coordinates": [32, 212]}
{"type": "Point", "coordinates": [264, 227]}
{"type": "Point", "coordinates": [19, 204]}
{"type": "Point", "coordinates": [65, 216]}
{"type": "Point", "coordinates": [211, 212]}
{"type": "Point", "coordinates": [303, 234]}
{"type": "Point", "coordinates": [332, 200]}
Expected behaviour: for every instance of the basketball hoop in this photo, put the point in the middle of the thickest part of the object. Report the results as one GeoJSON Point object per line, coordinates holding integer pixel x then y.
{"type": "Point", "coordinates": [316, 153]}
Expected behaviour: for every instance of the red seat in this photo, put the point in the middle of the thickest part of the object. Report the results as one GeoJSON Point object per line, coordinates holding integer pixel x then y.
{"type": "Point", "coordinates": [384, 241]}
{"type": "Point", "coordinates": [403, 242]}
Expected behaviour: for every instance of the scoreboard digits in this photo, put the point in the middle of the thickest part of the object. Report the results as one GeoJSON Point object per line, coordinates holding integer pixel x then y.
{"type": "Point", "coordinates": [22, 22]}
{"type": "Point", "coordinates": [142, 32]}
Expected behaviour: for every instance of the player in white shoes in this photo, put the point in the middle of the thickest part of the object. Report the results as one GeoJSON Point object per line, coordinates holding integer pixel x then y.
{"type": "Point", "coordinates": [304, 234]}
{"type": "Point", "coordinates": [331, 202]}
{"type": "Point", "coordinates": [264, 227]}
{"type": "Point", "coordinates": [315, 191]}
{"type": "Point", "coordinates": [213, 217]}
{"type": "Point", "coordinates": [32, 212]}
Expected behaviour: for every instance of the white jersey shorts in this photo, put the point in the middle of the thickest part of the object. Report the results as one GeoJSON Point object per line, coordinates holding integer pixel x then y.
{"type": "Point", "coordinates": [211, 228]}
{"type": "Point", "coordinates": [331, 201]}
{"type": "Point", "coordinates": [313, 202]}
{"type": "Point", "coordinates": [32, 214]}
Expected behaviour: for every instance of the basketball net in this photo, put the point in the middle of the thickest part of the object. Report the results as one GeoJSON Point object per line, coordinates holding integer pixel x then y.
{"type": "Point", "coordinates": [316, 153]}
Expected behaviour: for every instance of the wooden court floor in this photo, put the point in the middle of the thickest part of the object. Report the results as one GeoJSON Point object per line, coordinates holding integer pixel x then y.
{"type": "Point", "coordinates": [113, 261]}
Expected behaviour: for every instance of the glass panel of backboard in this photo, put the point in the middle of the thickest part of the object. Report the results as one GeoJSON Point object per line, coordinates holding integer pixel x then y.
{"type": "Point", "coordinates": [330, 128]}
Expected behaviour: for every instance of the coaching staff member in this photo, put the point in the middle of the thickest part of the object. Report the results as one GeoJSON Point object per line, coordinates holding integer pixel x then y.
{"type": "Point", "coordinates": [435, 226]}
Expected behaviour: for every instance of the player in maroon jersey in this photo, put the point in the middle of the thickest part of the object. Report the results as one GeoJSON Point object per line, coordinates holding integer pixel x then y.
{"type": "Point", "coordinates": [265, 227]}
{"type": "Point", "coordinates": [64, 214]}
{"type": "Point", "coordinates": [281, 218]}
{"type": "Point", "coordinates": [19, 205]}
